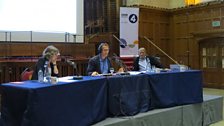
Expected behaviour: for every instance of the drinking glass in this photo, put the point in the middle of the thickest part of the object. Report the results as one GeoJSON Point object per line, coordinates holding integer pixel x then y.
{"type": "Point", "coordinates": [111, 70]}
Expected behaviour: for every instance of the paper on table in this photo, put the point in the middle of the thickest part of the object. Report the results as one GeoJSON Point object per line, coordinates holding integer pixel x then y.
{"type": "Point", "coordinates": [136, 72]}
{"type": "Point", "coordinates": [66, 79]}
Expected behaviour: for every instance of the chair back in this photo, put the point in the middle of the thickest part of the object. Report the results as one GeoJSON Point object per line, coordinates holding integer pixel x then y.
{"type": "Point", "coordinates": [26, 74]}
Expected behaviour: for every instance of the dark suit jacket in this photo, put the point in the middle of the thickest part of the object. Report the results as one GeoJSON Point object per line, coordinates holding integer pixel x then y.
{"type": "Point", "coordinates": [40, 65]}
{"type": "Point", "coordinates": [94, 65]}
{"type": "Point", "coordinates": [153, 61]}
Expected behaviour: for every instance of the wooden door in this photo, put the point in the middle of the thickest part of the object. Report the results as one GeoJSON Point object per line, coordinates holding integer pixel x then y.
{"type": "Point", "coordinates": [212, 61]}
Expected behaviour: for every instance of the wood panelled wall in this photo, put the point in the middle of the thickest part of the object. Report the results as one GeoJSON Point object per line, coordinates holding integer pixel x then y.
{"type": "Point", "coordinates": [193, 25]}
{"type": "Point", "coordinates": [178, 31]}
{"type": "Point", "coordinates": [155, 25]}
{"type": "Point", "coordinates": [24, 49]}
{"type": "Point", "coordinates": [189, 25]}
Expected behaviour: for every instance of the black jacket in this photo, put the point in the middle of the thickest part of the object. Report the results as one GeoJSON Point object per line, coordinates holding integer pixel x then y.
{"type": "Point", "coordinates": [40, 65]}
{"type": "Point", "coordinates": [153, 61]}
{"type": "Point", "coordinates": [94, 65]}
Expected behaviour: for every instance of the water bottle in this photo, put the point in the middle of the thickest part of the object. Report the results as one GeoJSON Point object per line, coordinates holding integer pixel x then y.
{"type": "Point", "coordinates": [40, 76]}
{"type": "Point", "coordinates": [47, 75]}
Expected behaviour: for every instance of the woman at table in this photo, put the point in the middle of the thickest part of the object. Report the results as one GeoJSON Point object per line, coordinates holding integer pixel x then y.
{"type": "Point", "coordinates": [48, 60]}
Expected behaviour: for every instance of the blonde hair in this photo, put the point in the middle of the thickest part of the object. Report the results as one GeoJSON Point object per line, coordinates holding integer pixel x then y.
{"type": "Point", "coordinates": [141, 49]}
{"type": "Point", "coordinates": [49, 51]}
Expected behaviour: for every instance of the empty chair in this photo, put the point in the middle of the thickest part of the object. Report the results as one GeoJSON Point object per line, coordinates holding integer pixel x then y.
{"type": "Point", "coordinates": [26, 74]}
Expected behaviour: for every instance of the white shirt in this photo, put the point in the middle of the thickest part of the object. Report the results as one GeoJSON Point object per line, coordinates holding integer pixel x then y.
{"type": "Point", "coordinates": [143, 63]}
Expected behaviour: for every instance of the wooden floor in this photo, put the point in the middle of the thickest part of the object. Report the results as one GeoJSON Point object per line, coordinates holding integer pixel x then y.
{"type": "Point", "coordinates": [219, 92]}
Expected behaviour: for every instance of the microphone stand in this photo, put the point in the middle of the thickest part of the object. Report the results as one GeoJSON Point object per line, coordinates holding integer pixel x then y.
{"type": "Point", "coordinates": [121, 64]}
{"type": "Point", "coordinates": [77, 77]}
{"type": "Point", "coordinates": [74, 65]}
{"type": "Point", "coordinates": [161, 51]}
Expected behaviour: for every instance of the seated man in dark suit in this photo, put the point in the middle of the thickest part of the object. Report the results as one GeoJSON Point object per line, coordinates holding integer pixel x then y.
{"type": "Point", "coordinates": [141, 62]}
{"type": "Point", "coordinates": [101, 63]}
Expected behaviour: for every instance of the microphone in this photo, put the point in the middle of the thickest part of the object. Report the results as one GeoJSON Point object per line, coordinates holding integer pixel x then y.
{"type": "Point", "coordinates": [74, 66]}
{"type": "Point", "coordinates": [71, 63]}
{"type": "Point", "coordinates": [120, 62]}
{"type": "Point", "coordinates": [161, 50]}
{"type": "Point", "coordinates": [117, 60]}
{"type": "Point", "coordinates": [174, 67]}
{"type": "Point", "coordinates": [122, 44]}
{"type": "Point", "coordinates": [63, 58]}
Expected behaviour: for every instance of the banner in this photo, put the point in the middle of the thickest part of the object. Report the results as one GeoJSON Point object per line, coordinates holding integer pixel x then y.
{"type": "Point", "coordinates": [129, 31]}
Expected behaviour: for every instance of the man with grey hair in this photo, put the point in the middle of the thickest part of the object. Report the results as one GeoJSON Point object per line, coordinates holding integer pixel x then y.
{"type": "Point", "coordinates": [142, 61]}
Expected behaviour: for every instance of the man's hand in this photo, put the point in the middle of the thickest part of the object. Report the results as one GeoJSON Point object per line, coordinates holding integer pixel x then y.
{"type": "Point", "coordinates": [120, 70]}
{"type": "Point", "coordinates": [94, 73]}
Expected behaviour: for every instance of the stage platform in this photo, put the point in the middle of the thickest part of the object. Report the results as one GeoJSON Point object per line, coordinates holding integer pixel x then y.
{"type": "Point", "coordinates": [202, 114]}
